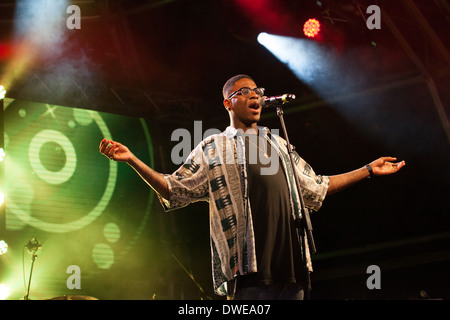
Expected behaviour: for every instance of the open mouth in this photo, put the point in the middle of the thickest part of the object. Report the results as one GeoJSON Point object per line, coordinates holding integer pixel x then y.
{"type": "Point", "coordinates": [254, 106]}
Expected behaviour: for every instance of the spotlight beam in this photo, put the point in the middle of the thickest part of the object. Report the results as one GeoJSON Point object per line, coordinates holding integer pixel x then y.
{"type": "Point", "coordinates": [39, 33]}
{"type": "Point", "coordinates": [300, 105]}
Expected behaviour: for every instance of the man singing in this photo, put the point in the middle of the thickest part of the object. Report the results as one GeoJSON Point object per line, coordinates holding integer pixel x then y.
{"type": "Point", "coordinates": [246, 176]}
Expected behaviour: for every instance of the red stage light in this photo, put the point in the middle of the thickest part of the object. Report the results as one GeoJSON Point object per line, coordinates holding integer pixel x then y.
{"type": "Point", "coordinates": [311, 28]}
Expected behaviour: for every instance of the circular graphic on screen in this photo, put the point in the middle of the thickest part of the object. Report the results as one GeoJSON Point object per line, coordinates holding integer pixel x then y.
{"type": "Point", "coordinates": [49, 140]}
{"type": "Point", "coordinates": [61, 188]}
{"type": "Point", "coordinates": [55, 177]}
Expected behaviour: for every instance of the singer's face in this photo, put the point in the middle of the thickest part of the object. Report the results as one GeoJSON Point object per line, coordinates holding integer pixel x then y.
{"type": "Point", "coordinates": [245, 110]}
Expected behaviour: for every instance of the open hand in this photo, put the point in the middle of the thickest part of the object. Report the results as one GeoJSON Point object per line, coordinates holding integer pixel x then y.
{"type": "Point", "coordinates": [385, 165]}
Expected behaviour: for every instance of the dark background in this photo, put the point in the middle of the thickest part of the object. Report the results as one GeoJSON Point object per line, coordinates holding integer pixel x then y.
{"type": "Point", "coordinates": [166, 61]}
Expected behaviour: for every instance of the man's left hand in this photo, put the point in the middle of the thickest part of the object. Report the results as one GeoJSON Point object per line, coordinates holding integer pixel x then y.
{"type": "Point", "coordinates": [386, 165]}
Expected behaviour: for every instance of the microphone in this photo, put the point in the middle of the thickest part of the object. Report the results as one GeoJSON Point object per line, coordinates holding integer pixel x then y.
{"type": "Point", "coordinates": [33, 245]}
{"type": "Point", "coordinates": [267, 102]}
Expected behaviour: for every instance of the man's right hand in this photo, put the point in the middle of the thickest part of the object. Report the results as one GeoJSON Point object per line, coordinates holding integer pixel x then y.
{"type": "Point", "coordinates": [118, 152]}
{"type": "Point", "coordinates": [115, 150]}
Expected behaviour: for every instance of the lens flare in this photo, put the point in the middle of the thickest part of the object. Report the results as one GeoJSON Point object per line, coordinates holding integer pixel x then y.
{"type": "Point", "coordinates": [3, 247]}
{"type": "Point", "coordinates": [4, 291]}
{"type": "Point", "coordinates": [2, 92]}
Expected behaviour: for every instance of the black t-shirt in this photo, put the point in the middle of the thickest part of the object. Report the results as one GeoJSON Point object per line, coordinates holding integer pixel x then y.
{"type": "Point", "coordinates": [278, 252]}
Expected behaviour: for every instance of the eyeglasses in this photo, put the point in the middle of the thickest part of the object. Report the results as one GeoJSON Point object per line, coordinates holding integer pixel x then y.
{"type": "Point", "coordinates": [245, 91]}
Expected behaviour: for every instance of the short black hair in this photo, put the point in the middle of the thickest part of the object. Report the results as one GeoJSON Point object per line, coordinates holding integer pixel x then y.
{"type": "Point", "coordinates": [230, 83]}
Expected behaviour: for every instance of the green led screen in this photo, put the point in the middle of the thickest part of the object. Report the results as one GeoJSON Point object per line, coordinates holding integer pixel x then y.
{"type": "Point", "coordinates": [85, 210]}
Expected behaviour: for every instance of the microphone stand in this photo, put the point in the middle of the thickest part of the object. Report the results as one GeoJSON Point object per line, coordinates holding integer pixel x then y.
{"type": "Point", "coordinates": [305, 221]}
{"type": "Point", "coordinates": [33, 246]}
{"type": "Point", "coordinates": [203, 294]}
{"type": "Point", "coordinates": [33, 259]}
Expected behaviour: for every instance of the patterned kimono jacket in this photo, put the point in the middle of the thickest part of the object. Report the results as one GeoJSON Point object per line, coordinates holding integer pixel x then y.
{"type": "Point", "coordinates": [216, 171]}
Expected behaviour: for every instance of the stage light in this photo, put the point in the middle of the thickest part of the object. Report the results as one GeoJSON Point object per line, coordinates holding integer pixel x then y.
{"type": "Point", "coordinates": [296, 53]}
{"type": "Point", "coordinates": [263, 38]}
{"type": "Point", "coordinates": [4, 291]}
{"type": "Point", "coordinates": [3, 247]}
{"type": "Point", "coordinates": [311, 28]}
{"type": "Point", "coordinates": [2, 92]}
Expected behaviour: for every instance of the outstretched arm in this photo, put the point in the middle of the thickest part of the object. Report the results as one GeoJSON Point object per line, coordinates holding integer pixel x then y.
{"type": "Point", "coordinates": [118, 152]}
{"type": "Point", "coordinates": [381, 166]}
